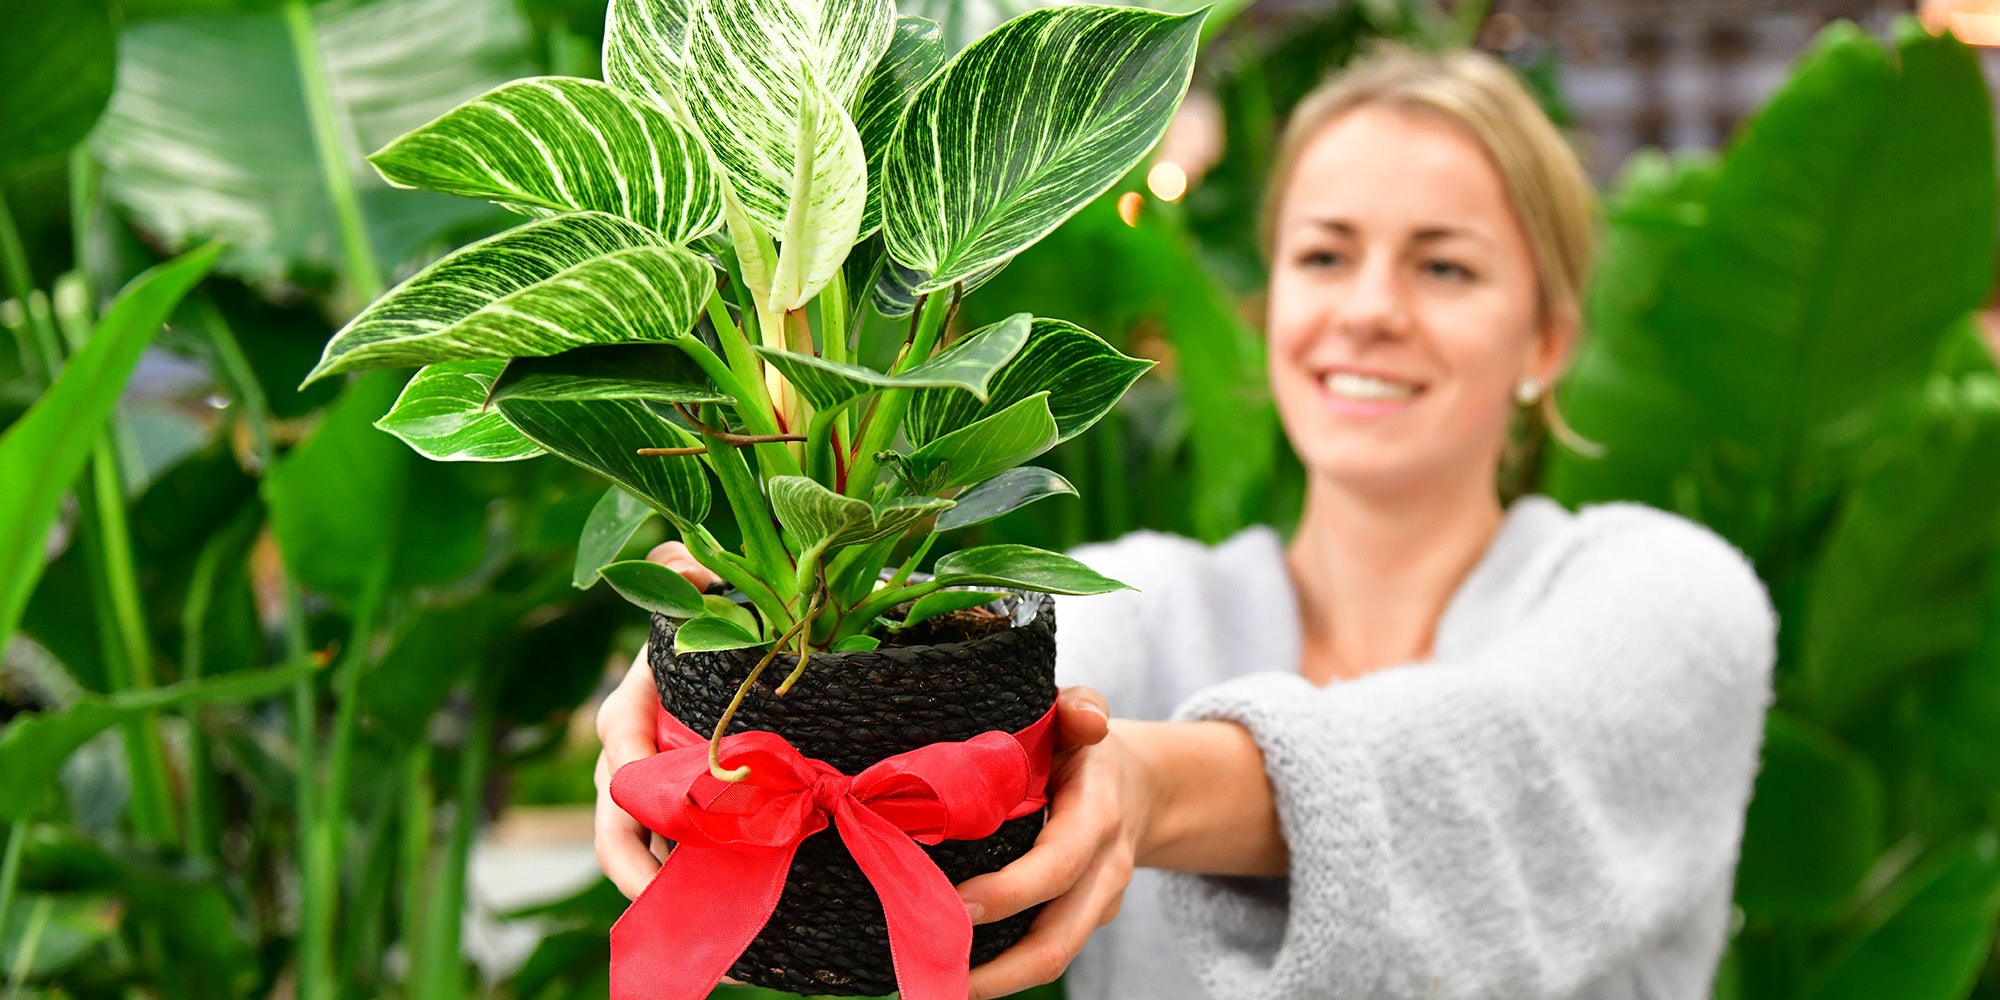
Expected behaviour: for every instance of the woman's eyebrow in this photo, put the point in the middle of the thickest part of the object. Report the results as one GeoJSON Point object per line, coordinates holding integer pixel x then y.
{"type": "Point", "coordinates": [1428, 234]}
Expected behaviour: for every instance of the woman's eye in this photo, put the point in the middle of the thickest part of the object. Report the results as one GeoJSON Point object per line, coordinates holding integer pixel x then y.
{"type": "Point", "coordinates": [1447, 269]}
{"type": "Point", "coordinates": [1318, 258]}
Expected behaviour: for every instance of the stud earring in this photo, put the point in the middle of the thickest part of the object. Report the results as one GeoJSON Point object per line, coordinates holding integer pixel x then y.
{"type": "Point", "coordinates": [1527, 391]}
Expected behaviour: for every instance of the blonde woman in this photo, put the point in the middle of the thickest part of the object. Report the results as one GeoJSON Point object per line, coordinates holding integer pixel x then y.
{"type": "Point", "coordinates": [1431, 747]}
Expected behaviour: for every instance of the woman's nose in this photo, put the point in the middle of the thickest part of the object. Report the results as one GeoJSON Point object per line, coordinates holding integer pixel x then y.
{"type": "Point", "coordinates": [1375, 303]}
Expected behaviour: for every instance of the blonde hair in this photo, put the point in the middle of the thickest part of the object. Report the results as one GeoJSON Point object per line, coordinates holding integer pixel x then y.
{"type": "Point", "coordinates": [1545, 182]}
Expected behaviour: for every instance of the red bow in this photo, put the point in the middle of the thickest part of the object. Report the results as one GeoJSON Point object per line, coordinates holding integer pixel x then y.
{"type": "Point", "coordinates": [734, 844]}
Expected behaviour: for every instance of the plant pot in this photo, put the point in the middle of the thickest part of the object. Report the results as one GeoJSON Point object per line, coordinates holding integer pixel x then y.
{"type": "Point", "coordinates": [827, 936]}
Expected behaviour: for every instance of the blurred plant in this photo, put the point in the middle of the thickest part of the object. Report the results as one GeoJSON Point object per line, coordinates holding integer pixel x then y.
{"type": "Point", "coordinates": [1781, 346]}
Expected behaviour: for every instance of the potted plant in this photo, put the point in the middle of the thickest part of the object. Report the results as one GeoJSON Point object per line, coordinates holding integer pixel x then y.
{"type": "Point", "coordinates": [708, 228]}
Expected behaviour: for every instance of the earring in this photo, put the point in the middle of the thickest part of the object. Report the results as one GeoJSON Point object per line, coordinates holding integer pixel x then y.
{"type": "Point", "coordinates": [1527, 390]}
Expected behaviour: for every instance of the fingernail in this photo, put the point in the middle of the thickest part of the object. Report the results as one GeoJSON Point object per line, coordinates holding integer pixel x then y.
{"type": "Point", "coordinates": [1094, 709]}
{"type": "Point", "coordinates": [974, 911]}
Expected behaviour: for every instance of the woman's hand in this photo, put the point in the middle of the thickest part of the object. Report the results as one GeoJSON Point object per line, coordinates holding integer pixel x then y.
{"type": "Point", "coordinates": [625, 849]}
{"type": "Point", "coordinates": [1081, 862]}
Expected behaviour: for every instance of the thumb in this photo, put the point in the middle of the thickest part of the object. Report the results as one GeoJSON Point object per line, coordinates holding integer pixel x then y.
{"type": "Point", "coordinates": [1083, 717]}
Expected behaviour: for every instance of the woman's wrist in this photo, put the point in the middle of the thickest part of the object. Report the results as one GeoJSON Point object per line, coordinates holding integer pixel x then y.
{"type": "Point", "coordinates": [1204, 802]}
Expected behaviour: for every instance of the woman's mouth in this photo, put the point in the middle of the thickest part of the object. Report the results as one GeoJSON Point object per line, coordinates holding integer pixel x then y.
{"type": "Point", "coordinates": [1351, 394]}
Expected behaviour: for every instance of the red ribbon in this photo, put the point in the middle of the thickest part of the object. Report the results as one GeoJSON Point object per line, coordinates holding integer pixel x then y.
{"type": "Point", "coordinates": [734, 844]}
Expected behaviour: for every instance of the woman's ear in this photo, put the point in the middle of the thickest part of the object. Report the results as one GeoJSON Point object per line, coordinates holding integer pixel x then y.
{"type": "Point", "coordinates": [1557, 341]}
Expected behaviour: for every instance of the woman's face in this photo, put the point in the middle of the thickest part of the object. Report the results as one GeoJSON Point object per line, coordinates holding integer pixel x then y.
{"type": "Point", "coordinates": [1403, 305]}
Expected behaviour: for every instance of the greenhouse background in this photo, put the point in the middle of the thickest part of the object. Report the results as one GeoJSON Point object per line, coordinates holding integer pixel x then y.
{"type": "Point", "coordinates": [1790, 339]}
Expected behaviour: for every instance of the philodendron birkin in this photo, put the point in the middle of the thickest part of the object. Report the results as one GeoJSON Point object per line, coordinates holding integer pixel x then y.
{"type": "Point", "coordinates": [745, 153]}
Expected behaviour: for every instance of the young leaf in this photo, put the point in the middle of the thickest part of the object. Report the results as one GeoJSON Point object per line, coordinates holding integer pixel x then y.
{"type": "Point", "coordinates": [1024, 128]}
{"type": "Point", "coordinates": [659, 372]}
{"type": "Point", "coordinates": [1010, 490]}
{"type": "Point", "coordinates": [829, 192]}
{"type": "Point", "coordinates": [1084, 375]}
{"type": "Point", "coordinates": [654, 587]}
{"type": "Point", "coordinates": [548, 145]}
{"type": "Point", "coordinates": [576, 279]}
{"type": "Point", "coordinates": [968, 365]}
{"type": "Point", "coordinates": [986, 447]}
{"type": "Point", "coordinates": [1022, 566]}
{"type": "Point", "coordinates": [442, 415]}
{"type": "Point", "coordinates": [604, 435]}
{"type": "Point", "coordinates": [812, 515]}
{"type": "Point", "coordinates": [724, 608]}
{"type": "Point", "coordinates": [709, 633]}
{"type": "Point", "coordinates": [616, 516]}
{"type": "Point", "coordinates": [915, 52]}
{"type": "Point", "coordinates": [856, 644]}
{"type": "Point", "coordinates": [944, 602]}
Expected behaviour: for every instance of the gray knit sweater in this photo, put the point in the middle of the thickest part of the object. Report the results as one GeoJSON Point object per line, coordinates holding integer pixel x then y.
{"type": "Point", "coordinates": [1548, 807]}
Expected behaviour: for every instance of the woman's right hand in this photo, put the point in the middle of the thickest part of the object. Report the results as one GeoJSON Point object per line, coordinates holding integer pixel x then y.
{"type": "Point", "coordinates": [626, 849]}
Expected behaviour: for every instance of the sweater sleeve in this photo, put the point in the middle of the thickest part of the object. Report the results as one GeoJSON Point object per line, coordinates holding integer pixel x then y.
{"type": "Point", "coordinates": [1522, 821]}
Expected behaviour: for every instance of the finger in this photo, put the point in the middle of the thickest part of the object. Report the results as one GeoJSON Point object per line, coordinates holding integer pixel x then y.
{"type": "Point", "coordinates": [621, 841]}
{"type": "Point", "coordinates": [675, 556]}
{"type": "Point", "coordinates": [1059, 932]}
{"type": "Point", "coordinates": [625, 720]}
{"type": "Point", "coordinates": [1083, 717]}
{"type": "Point", "coordinates": [1082, 822]}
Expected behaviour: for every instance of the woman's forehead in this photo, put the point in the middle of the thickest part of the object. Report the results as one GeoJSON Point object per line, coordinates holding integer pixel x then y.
{"type": "Point", "coordinates": [1384, 169]}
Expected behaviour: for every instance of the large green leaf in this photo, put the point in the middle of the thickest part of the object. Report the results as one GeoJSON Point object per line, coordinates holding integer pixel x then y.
{"type": "Point", "coordinates": [968, 365]}
{"type": "Point", "coordinates": [56, 71]}
{"type": "Point", "coordinates": [1022, 566]}
{"type": "Point", "coordinates": [43, 451]}
{"type": "Point", "coordinates": [557, 144]}
{"type": "Point", "coordinates": [1024, 128]}
{"type": "Point", "coordinates": [231, 155]}
{"type": "Point", "coordinates": [616, 516]}
{"type": "Point", "coordinates": [1008, 491]}
{"type": "Point", "coordinates": [985, 447]}
{"type": "Point", "coordinates": [654, 587]}
{"type": "Point", "coordinates": [1823, 280]}
{"type": "Point", "coordinates": [604, 435]}
{"type": "Point", "coordinates": [658, 372]}
{"type": "Point", "coordinates": [1929, 934]}
{"type": "Point", "coordinates": [1083, 374]}
{"type": "Point", "coordinates": [915, 52]}
{"type": "Point", "coordinates": [548, 286]}
{"type": "Point", "coordinates": [442, 413]}
{"type": "Point", "coordinates": [1899, 586]}
{"type": "Point", "coordinates": [1814, 826]}
{"type": "Point", "coordinates": [34, 747]}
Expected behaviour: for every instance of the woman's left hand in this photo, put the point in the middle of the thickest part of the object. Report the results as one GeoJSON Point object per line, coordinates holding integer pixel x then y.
{"type": "Point", "coordinates": [1081, 862]}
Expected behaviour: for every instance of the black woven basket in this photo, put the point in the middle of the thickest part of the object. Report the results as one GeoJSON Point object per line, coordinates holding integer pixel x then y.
{"type": "Point", "coordinates": [851, 710]}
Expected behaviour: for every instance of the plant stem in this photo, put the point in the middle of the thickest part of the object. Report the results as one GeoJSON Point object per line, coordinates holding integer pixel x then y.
{"type": "Point", "coordinates": [775, 460]}
{"type": "Point", "coordinates": [440, 978]}
{"type": "Point", "coordinates": [204, 812]}
{"type": "Point", "coordinates": [414, 849]}
{"type": "Point", "coordinates": [760, 536]}
{"type": "Point", "coordinates": [887, 419]}
{"type": "Point", "coordinates": [728, 714]}
{"type": "Point", "coordinates": [363, 275]}
{"type": "Point", "coordinates": [744, 365]}
{"type": "Point", "coordinates": [31, 939]}
{"type": "Point", "coordinates": [21, 285]}
{"type": "Point", "coordinates": [10, 870]}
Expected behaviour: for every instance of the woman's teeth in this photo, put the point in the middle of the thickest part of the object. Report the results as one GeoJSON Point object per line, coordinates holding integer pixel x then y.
{"type": "Point", "coordinates": [1351, 386]}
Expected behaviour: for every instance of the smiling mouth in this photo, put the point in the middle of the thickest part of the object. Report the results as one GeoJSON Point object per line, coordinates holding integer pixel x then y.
{"type": "Point", "coordinates": [1367, 388]}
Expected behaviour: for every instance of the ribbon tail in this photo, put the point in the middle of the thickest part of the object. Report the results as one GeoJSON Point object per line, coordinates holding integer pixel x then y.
{"type": "Point", "coordinates": [930, 937]}
{"type": "Point", "coordinates": [703, 908]}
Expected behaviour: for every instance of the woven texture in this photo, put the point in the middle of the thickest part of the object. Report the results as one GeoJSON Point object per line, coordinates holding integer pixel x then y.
{"type": "Point", "coordinates": [851, 710]}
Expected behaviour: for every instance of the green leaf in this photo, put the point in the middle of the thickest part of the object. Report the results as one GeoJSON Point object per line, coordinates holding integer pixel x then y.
{"type": "Point", "coordinates": [34, 746]}
{"type": "Point", "coordinates": [723, 607]}
{"type": "Point", "coordinates": [709, 633]}
{"type": "Point", "coordinates": [856, 644]}
{"type": "Point", "coordinates": [549, 145]}
{"type": "Point", "coordinates": [231, 155]}
{"type": "Point", "coordinates": [443, 415]}
{"type": "Point", "coordinates": [1008, 491]}
{"type": "Point", "coordinates": [42, 453]}
{"type": "Point", "coordinates": [604, 435]}
{"type": "Point", "coordinates": [56, 72]}
{"type": "Point", "coordinates": [613, 520]}
{"type": "Point", "coordinates": [1814, 825]}
{"type": "Point", "coordinates": [1083, 375]}
{"type": "Point", "coordinates": [654, 587]}
{"type": "Point", "coordinates": [968, 365]}
{"type": "Point", "coordinates": [1024, 567]}
{"type": "Point", "coordinates": [1024, 128]}
{"type": "Point", "coordinates": [916, 49]}
{"type": "Point", "coordinates": [659, 372]}
{"type": "Point", "coordinates": [814, 516]}
{"type": "Point", "coordinates": [944, 602]}
{"type": "Point", "coordinates": [1932, 938]}
{"type": "Point", "coordinates": [985, 447]}
{"type": "Point", "coordinates": [544, 288]}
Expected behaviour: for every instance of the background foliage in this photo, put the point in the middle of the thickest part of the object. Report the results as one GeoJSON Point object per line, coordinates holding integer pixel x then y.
{"type": "Point", "coordinates": [271, 670]}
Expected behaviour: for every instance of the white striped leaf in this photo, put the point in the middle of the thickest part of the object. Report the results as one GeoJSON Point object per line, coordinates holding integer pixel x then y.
{"type": "Point", "coordinates": [1024, 567]}
{"type": "Point", "coordinates": [985, 447]}
{"type": "Point", "coordinates": [1026, 126]}
{"type": "Point", "coordinates": [915, 52]}
{"type": "Point", "coordinates": [813, 516]}
{"type": "Point", "coordinates": [443, 415]}
{"type": "Point", "coordinates": [542, 288]}
{"type": "Point", "coordinates": [1008, 491]}
{"type": "Point", "coordinates": [829, 194]}
{"type": "Point", "coordinates": [659, 372]}
{"type": "Point", "coordinates": [604, 436]}
{"type": "Point", "coordinates": [968, 365]}
{"type": "Point", "coordinates": [1085, 375]}
{"type": "Point", "coordinates": [556, 144]}
{"type": "Point", "coordinates": [645, 50]}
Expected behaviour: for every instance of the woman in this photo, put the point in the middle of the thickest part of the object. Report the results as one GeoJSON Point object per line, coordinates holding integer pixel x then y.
{"type": "Point", "coordinates": [1431, 747]}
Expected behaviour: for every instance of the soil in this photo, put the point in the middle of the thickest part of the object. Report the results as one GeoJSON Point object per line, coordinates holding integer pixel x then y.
{"type": "Point", "coordinates": [963, 625]}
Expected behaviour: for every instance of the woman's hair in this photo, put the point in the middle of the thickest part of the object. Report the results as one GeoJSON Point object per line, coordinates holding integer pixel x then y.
{"type": "Point", "coordinates": [1545, 182]}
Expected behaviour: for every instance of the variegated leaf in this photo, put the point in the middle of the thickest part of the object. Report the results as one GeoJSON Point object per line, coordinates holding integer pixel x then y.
{"type": "Point", "coordinates": [543, 288]}
{"type": "Point", "coordinates": [985, 447]}
{"type": "Point", "coordinates": [1022, 566]}
{"type": "Point", "coordinates": [828, 196]}
{"type": "Point", "coordinates": [1085, 375]}
{"type": "Point", "coordinates": [894, 517]}
{"type": "Point", "coordinates": [812, 515]}
{"type": "Point", "coordinates": [1024, 127]}
{"type": "Point", "coordinates": [915, 52]}
{"type": "Point", "coordinates": [645, 49]}
{"type": "Point", "coordinates": [443, 415]}
{"type": "Point", "coordinates": [895, 289]}
{"type": "Point", "coordinates": [659, 372]}
{"type": "Point", "coordinates": [968, 365]}
{"type": "Point", "coordinates": [604, 436]}
{"type": "Point", "coordinates": [556, 144]}
{"type": "Point", "coordinates": [1008, 491]}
